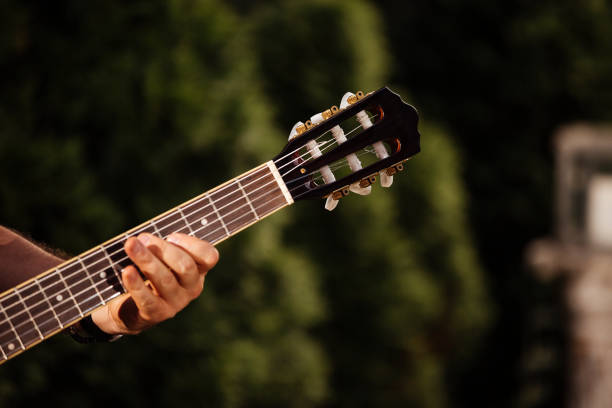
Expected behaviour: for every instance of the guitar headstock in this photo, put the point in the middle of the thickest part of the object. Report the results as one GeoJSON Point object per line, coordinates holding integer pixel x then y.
{"type": "Point", "coordinates": [344, 149]}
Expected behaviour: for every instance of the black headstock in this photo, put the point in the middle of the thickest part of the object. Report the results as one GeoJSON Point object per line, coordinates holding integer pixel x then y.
{"type": "Point", "coordinates": [383, 120]}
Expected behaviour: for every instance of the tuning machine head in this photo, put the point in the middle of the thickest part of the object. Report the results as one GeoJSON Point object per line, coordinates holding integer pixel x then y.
{"type": "Point", "coordinates": [394, 169]}
{"type": "Point", "coordinates": [329, 144]}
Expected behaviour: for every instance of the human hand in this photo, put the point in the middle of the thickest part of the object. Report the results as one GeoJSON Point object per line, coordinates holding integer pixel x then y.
{"type": "Point", "coordinates": [175, 269]}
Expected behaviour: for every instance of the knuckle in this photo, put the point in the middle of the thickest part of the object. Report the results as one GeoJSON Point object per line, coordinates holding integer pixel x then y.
{"type": "Point", "coordinates": [149, 305]}
{"type": "Point", "coordinates": [167, 280]}
{"type": "Point", "coordinates": [212, 256]}
{"type": "Point", "coordinates": [185, 265]}
{"type": "Point", "coordinates": [168, 313]}
{"type": "Point", "coordinates": [195, 291]}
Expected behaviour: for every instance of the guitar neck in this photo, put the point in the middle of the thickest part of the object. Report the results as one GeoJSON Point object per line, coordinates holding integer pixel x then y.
{"type": "Point", "coordinates": [61, 296]}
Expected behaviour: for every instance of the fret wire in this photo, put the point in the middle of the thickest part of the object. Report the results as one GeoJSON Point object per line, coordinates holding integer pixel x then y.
{"type": "Point", "coordinates": [89, 277]}
{"type": "Point", "coordinates": [254, 171]}
{"type": "Point", "coordinates": [69, 292]}
{"type": "Point", "coordinates": [180, 211]}
{"type": "Point", "coordinates": [247, 199]}
{"type": "Point", "coordinates": [48, 302]}
{"type": "Point", "coordinates": [188, 224]}
{"type": "Point", "coordinates": [73, 297]}
{"type": "Point", "coordinates": [154, 227]}
{"type": "Point", "coordinates": [210, 201]}
{"type": "Point", "coordinates": [4, 356]}
{"type": "Point", "coordinates": [29, 314]}
{"type": "Point", "coordinates": [84, 301]}
{"type": "Point", "coordinates": [10, 322]}
{"type": "Point", "coordinates": [218, 215]}
{"type": "Point", "coordinates": [112, 266]}
{"type": "Point", "coordinates": [267, 202]}
{"type": "Point", "coordinates": [260, 206]}
{"type": "Point", "coordinates": [28, 331]}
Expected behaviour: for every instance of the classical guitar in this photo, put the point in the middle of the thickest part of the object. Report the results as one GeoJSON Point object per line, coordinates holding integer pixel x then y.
{"type": "Point", "coordinates": [338, 151]}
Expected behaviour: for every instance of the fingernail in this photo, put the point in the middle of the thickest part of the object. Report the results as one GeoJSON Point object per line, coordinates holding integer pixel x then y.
{"type": "Point", "coordinates": [129, 277]}
{"type": "Point", "coordinates": [144, 238]}
{"type": "Point", "coordinates": [174, 239]}
{"type": "Point", "coordinates": [137, 246]}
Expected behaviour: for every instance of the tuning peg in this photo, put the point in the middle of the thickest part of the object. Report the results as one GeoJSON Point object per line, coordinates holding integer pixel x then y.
{"type": "Point", "coordinates": [386, 180]}
{"type": "Point", "coordinates": [394, 169]}
{"type": "Point", "coordinates": [371, 179]}
{"type": "Point", "coordinates": [333, 198]}
{"type": "Point", "coordinates": [297, 130]}
{"type": "Point", "coordinates": [330, 203]}
{"type": "Point", "coordinates": [338, 194]}
{"type": "Point", "coordinates": [350, 98]}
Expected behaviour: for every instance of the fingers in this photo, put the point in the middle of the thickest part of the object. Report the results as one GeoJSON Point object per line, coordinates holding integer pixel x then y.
{"type": "Point", "coordinates": [204, 254]}
{"type": "Point", "coordinates": [154, 269]}
{"type": "Point", "coordinates": [175, 271]}
{"type": "Point", "coordinates": [176, 259]}
{"type": "Point", "coordinates": [151, 307]}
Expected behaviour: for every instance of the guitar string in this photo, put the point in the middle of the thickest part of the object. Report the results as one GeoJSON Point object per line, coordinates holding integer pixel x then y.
{"type": "Point", "coordinates": [187, 225]}
{"type": "Point", "coordinates": [207, 197]}
{"type": "Point", "coordinates": [77, 304]}
{"type": "Point", "coordinates": [321, 145]}
{"type": "Point", "coordinates": [92, 272]}
{"type": "Point", "coordinates": [99, 293]}
{"type": "Point", "coordinates": [111, 265]}
{"type": "Point", "coordinates": [333, 167]}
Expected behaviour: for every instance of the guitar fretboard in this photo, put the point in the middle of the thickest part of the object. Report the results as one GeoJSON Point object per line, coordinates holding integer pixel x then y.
{"type": "Point", "coordinates": [41, 307]}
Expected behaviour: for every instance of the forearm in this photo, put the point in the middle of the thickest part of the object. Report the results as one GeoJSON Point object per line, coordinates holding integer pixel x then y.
{"type": "Point", "coordinates": [21, 260]}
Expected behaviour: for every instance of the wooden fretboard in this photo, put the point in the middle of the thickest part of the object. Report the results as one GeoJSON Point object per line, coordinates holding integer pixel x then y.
{"type": "Point", "coordinates": [61, 296]}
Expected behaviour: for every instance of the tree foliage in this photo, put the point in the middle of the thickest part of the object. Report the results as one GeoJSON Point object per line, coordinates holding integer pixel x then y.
{"type": "Point", "coordinates": [112, 112]}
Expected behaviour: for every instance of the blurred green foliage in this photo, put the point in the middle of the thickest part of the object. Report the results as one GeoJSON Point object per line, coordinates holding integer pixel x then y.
{"type": "Point", "coordinates": [111, 112]}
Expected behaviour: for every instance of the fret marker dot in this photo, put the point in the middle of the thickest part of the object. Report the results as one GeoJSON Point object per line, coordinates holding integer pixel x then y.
{"type": "Point", "coordinates": [204, 221]}
{"type": "Point", "coordinates": [59, 298]}
{"type": "Point", "coordinates": [103, 274]}
{"type": "Point", "coordinates": [11, 346]}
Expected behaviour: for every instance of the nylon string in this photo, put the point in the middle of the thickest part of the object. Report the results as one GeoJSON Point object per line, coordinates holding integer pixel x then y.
{"type": "Point", "coordinates": [323, 146]}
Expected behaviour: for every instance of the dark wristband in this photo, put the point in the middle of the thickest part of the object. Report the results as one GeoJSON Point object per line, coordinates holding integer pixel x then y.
{"type": "Point", "coordinates": [86, 331]}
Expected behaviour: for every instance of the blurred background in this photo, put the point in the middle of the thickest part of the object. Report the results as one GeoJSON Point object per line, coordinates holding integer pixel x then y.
{"type": "Point", "coordinates": [428, 294]}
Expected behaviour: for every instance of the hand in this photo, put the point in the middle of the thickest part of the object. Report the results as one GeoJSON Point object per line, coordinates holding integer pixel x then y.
{"type": "Point", "coordinates": [175, 269]}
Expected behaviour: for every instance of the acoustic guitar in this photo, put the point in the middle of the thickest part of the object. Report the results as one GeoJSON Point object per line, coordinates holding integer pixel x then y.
{"type": "Point", "coordinates": [338, 151]}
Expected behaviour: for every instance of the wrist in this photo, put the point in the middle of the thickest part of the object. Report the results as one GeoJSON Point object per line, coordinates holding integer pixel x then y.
{"type": "Point", "coordinates": [86, 331]}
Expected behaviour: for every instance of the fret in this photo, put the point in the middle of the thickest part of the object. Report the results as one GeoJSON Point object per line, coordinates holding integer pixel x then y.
{"type": "Point", "coordinates": [9, 339]}
{"type": "Point", "coordinates": [27, 293]}
{"type": "Point", "coordinates": [80, 286]}
{"type": "Point", "coordinates": [148, 228]}
{"type": "Point", "coordinates": [218, 215]}
{"type": "Point", "coordinates": [264, 192]}
{"type": "Point", "coordinates": [48, 303]}
{"type": "Point", "coordinates": [179, 211]}
{"type": "Point", "coordinates": [232, 205]}
{"type": "Point", "coordinates": [117, 254]}
{"type": "Point", "coordinates": [247, 199]}
{"type": "Point", "coordinates": [171, 223]}
{"type": "Point", "coordinates": [101, 274]}
{"type": "Point", "coordinates": [203, 220]}
{"type": "Point", "coordinates": [39, 309]}
{"type": "Point", "coordinates": [152, 223]}
{"type": "Point", "coordinates": [20, 320]}
{"type": "Point", "coordinates": [64, 305]}
{"type": "Point", "coordinates": [4, 356]}
{"type": "Point", "coordinates": [61, 296]}
{"type": "Point", "coordinates": [88, 276]}
{"type": "Point", "coordinates": [117, 283]}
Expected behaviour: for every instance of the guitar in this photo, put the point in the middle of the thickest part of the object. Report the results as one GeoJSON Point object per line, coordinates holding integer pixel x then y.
{"type": "Point", "coordinates": [337, 151]}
